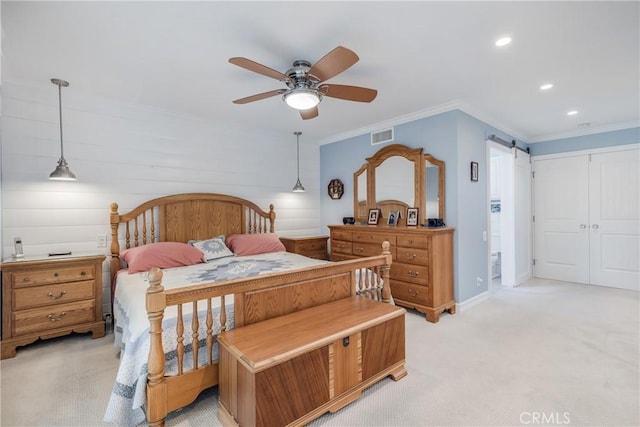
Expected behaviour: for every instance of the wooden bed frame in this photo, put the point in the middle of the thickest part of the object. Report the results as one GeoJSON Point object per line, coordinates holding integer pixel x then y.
{"type": "Point", "coordinates": [183, 217]}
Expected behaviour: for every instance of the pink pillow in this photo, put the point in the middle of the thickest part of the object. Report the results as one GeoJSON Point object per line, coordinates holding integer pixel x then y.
{"type": "Point", "coordinates": [161, 255]}
{"type": "Point", "coordinates": [254, 244]}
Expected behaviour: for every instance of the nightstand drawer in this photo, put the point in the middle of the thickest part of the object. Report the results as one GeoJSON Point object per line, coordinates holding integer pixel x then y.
{"type": "Point", "coordinates": [39, 296]}
{"type": "Point", "coordinates": [312, 246]}
{"type": "Point", "coordinates": [43, 319]}
{"type": "Point", "coordinates": [52, 275]}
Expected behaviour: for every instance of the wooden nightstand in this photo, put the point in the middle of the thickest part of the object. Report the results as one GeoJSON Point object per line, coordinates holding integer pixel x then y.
{"type": "Point", "coordinates": [47, 297]}
{"type": "Point", "coordinates": [313, 247]}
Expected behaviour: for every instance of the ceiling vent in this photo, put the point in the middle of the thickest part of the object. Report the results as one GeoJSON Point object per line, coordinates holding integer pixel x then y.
{"type": "Point", "coordinates": [382, 136]}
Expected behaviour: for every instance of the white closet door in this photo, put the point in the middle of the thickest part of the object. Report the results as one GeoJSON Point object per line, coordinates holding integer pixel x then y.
{"type": "Point", "coordinates": [522, 217]}
{"type": "Point", "coordinates": [561, 235]}
{"type": "Point", "coordinates": [614, 187]}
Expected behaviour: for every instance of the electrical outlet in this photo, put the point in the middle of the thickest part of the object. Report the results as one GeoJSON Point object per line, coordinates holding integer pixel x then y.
{"type": "Point", "coordinates": [102, 240]}
{"type": "Point", "coordinates": [478, 282]}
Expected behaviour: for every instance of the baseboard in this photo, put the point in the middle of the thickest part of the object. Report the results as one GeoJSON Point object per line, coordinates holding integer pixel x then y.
{"type": "Point", "coordinates": [471, 302]}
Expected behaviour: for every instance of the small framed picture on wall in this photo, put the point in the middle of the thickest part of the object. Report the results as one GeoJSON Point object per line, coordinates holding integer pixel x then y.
{"type": "Point", "coordinates": [474, 171]}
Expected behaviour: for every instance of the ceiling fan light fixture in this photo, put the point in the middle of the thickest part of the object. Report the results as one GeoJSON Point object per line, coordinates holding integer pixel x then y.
{"type": "Point", "coordinates": [301, 98]}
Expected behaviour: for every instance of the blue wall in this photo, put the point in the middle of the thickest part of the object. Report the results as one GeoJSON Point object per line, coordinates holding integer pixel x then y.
{"type": "Point", "coordinates": [586, 142]}
{"type": "Point", "coordinates": [458, 139]}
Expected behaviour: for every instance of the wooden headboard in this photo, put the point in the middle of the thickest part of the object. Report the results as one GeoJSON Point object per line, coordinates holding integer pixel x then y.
{"type": "Point", "coordinates": [184, 217]}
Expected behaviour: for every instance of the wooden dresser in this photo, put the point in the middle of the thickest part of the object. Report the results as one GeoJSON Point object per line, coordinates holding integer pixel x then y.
{"type": "Point", "coordinates": [313, 247]}
{"type": "Point", "coordinates": [48, 297]}
{"type": "Point", "coordinates": [422, 269]}
{"type": "Point", "coordinates": [291, 369]}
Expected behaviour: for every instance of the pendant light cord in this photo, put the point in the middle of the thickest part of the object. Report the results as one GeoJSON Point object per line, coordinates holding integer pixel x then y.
{"type": "Point", "coordinates": [60, 114]}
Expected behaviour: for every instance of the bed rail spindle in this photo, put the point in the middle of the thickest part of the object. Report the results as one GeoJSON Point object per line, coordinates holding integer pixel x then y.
{"type": "Point", "coordinates": [136, 235]}
{"type": "Point", "coordinates": [144, 228]}
{"type": "Point", "coordinates": [195, 342]}
{"type": "Point", "coordinates": [153, 225]}
{"type": "Point", "coordinates": [180, 333]}
{"type": "Point", "coordinates": [223, 315]}
{"type": "Point", "coordinates": [127, 242]}
{"type": "Point", "coordinates": [386, 288]}
{"type": "Point", "coordinates": [209, 332]}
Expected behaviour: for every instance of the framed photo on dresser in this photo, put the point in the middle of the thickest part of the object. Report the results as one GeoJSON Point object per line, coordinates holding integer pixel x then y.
{"type": "Point", "coordinates": [412, 216]}
{"type": "Point", "coordinates": [374, 216]}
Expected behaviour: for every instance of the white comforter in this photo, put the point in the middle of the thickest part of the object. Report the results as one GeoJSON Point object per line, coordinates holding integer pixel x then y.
{"type": "Point", "coordinates": [132, 326]}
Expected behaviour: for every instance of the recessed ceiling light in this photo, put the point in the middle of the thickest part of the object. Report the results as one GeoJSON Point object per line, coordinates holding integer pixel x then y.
{"type": "Point", "coordinates": [503, 41]}
{"type": "Point", "coordinates": [572, 113]}
{"type": "Point", "coordinates": [546, 86]}
{"type": "Point", "coordinates": [584, 125]}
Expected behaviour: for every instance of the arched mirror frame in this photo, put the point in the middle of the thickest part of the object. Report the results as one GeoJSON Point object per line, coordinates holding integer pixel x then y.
{"type": "Point", "coordinates": [420, 162]}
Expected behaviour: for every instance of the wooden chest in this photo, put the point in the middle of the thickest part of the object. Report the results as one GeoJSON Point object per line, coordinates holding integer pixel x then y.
{"type": "Point", "coordinates": [49, 297]}
{"type": "Point", "coordinates": [291, 369]}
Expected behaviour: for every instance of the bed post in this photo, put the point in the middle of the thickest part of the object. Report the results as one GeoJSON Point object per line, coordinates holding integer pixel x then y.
{"type": "Point", "coordinates": [156, 385]}
{"type": "Point", "coordinates": [114, 262]}
{"type": "Point", "coordinates": [386, 288]}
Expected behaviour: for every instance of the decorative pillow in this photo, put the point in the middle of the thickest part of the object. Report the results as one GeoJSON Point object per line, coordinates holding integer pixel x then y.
{"type": "Point", "coordinates": [161, 255]}
{"type": "Point", "coordinates": [212, 248]}
{"type": "Point", "coordinates": [254, 244]}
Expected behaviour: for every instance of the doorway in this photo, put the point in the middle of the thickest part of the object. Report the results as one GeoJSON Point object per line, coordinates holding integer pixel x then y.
{"type": "Point", "coordinates": [509, 224]}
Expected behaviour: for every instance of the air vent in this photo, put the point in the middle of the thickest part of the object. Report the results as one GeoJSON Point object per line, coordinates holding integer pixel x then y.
{"type": "Point", "coordinates": [382, 136]}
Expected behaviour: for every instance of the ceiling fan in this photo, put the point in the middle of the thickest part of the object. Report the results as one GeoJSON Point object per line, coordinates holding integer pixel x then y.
{"type": "Point", "coordinates": [305, 87]}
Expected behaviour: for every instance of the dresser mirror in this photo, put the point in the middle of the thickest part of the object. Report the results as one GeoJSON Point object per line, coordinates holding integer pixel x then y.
{"type": "Point", "coordinates": [396, 178]}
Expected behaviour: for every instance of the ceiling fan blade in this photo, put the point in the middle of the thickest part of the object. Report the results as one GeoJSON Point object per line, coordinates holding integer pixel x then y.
{"type": "Point", "coordinates": [259, 96]}
{"type": "Point", "coordinates": [258, 68]}
{"type": "Point", "coordinates": [349, 93]}
{"type": "Point", "coordinates": [332, 64]}
{"type": "Point", "coordinates": [309, 114]}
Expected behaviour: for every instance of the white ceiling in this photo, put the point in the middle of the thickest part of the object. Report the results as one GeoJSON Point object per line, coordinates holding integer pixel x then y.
{"type": "Point", "coordinates": [422, 57]}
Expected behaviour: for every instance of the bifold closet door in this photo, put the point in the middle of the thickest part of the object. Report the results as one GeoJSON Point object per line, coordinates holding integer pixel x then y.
{"type": "Point", "coordinates": [614, 191]}
{"type": "Point", "coordinates": [561, 197]}
{"type": "Point", "coordinates": [587, 219]}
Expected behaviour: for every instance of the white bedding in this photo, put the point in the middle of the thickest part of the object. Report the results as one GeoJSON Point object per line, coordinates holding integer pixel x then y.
{"type": "Point", "coordinates": [132, 326]}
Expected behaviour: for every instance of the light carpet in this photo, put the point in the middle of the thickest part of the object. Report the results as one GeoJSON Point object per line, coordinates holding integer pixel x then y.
{"type": "Point", "coordinates": [546, 353]}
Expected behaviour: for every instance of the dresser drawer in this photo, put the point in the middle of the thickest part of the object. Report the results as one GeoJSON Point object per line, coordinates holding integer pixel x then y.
{"type": "Point", "coordinates": [412, 241]}
{"type": "Point", "coordinates": [341, 235]}
{"type": "Point", "coordinates": [412, 293]}
{"type": "Point", "coordinates": [365, 237]}
{"type": "Point", "coordinates": [371, 249]}
{"type": "Point", "coordinates": [341, 246]}
{"type": "Point", "coordinates": [410, 273]}
{"type": "Point", "coordinates": [59, 316]}
{"type": "Point", "coordinates": [341, 257]}
{"type": "Point", "coordinates": [412, 255]}
{"type": "Point", "coordinates": [52, 275]}
{"type": "Point", "coordinates": [46, 295]}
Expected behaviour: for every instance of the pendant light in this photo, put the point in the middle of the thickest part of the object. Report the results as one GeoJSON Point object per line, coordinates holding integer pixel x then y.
{"type": "Point", "coordinates": [298, 188]}
{"type": "Point", "coordinates": [62, 172]}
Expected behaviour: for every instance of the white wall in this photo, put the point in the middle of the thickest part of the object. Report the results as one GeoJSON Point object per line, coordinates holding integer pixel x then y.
{"type": "Point", "coordinates": [128, 154]}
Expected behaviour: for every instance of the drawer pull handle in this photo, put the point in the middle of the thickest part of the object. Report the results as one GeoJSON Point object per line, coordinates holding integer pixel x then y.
{"type": "Point", "coordinates": [25, 280]}
{"type": "Point", "coordinates": [413, 274]}
{"type": "Point", "coordinates": [410, 256]}
{"type": "Point", "coordinates": [341, 246]}
{"type": "Point", "coordinates": [53, 297]}
{"type": "Point", "coordinates": [82, 273]}
{"type": "Point", "coordinates": [56, 318]}
{"type": "Point", "coordinates": [55, 274]}
{"type": "Point", "coordinates": [413, 293]}
{"type": "Point", "coordinates": [360, 250]}
{"type": "Point", "coordinates": [410, 242]}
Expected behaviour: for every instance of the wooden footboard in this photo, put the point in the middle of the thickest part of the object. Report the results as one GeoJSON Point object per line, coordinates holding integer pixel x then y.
{"type": "Point", "coordinates": [255, 299]}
